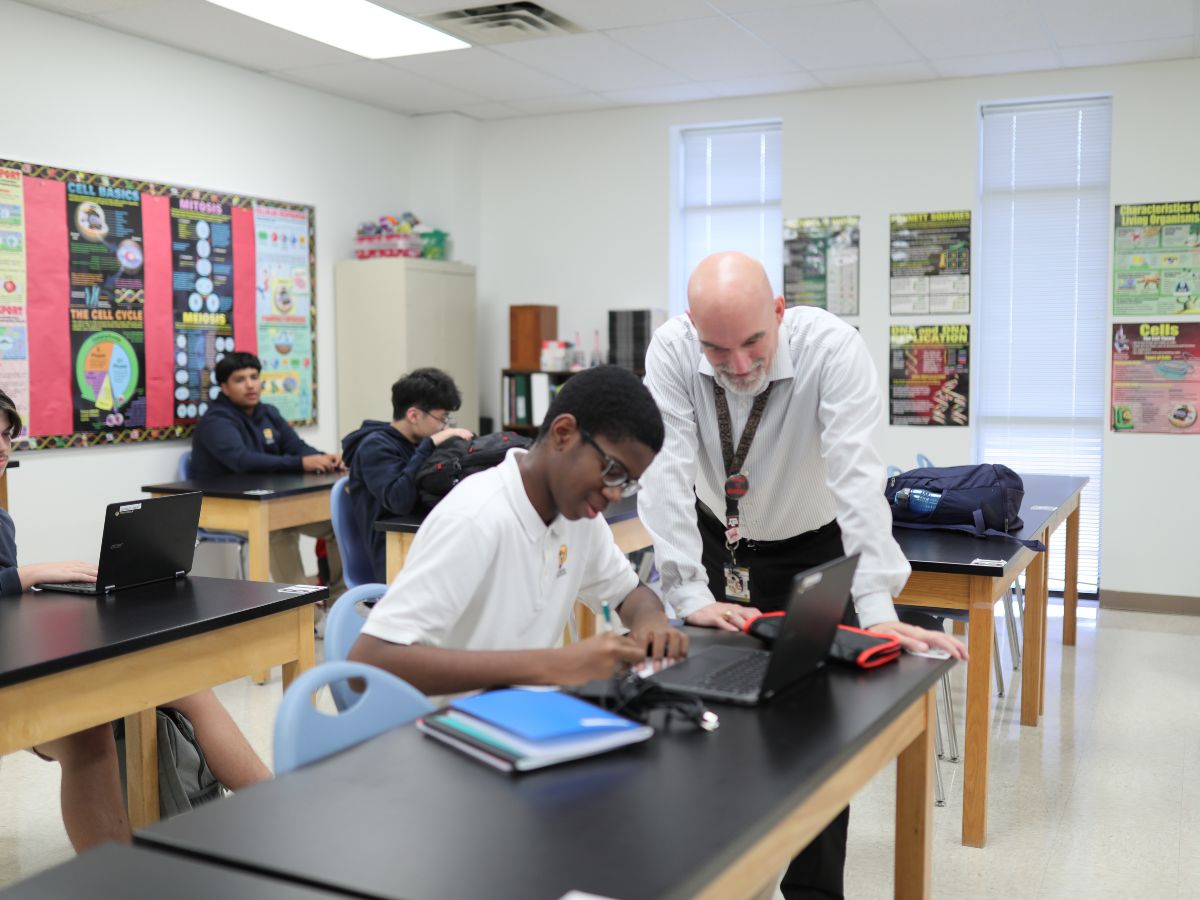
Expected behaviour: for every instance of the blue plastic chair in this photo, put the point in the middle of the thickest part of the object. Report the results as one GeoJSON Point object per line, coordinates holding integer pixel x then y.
{"type": "Point", "coordinates": [342, 625]}
{"type": "Point", "coordinates": [304, 735]}
{"type": "Point", "coordinates": [893, 470]}
{"type": "Point", "coordinates": [204, 535]}
{"type": "Point", "coordinates": [924, 462]}
{"type": "Point", "coordinates": [356, 553]}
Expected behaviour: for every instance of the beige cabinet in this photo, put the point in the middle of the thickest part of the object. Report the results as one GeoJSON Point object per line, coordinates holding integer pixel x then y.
{"type": "Point", "coordinates": [395, 315]}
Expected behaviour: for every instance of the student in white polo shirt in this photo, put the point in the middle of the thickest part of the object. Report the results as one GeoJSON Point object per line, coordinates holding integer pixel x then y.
{"type": "Point", "coordinates": [492, 575]}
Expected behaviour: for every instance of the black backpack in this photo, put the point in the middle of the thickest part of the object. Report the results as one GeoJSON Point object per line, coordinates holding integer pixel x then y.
{"type": "Point", "coordinates": [454, 459]}
{"type": "Point", "coordinates": [983, 500]}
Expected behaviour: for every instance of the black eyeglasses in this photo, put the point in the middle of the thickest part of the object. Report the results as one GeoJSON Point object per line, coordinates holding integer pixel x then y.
{"type": "Point", "coordinates": [447, 422]}
{"type": "Point", "coordinates": [615, 475]}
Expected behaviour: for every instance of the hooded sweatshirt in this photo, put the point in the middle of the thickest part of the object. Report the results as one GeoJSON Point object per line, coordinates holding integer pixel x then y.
{"type": "Point", "coordinates": [383, 481]}
{"type": "Point", "coordinates": [228, 440]}
{"type": "Point", "coordinates": [10, 579]}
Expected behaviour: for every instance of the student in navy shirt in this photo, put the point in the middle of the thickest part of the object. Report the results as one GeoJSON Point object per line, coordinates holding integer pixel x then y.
{"type": "Point", "coordinates": [93, 804]}
{"type": "Point", "coordinates": [385, 457]}
{"type": "Point", "coordinates": [239, 434]}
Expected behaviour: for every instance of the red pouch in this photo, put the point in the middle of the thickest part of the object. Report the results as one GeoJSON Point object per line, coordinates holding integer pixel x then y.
{"type": "Point", "coordinates": [854, 646]}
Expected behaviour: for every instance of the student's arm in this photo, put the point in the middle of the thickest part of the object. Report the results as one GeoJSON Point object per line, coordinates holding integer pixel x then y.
{"type": "Point", "coordinates": [290, 443]}
{"type": "Point", "coordinates": [434, 670]}
{"type": "Point", "coordinates": [15, 580]}
{"type": "Point", "coordinates": [390, 478]}
{"type": "Point", "coordinates": [225, 441]}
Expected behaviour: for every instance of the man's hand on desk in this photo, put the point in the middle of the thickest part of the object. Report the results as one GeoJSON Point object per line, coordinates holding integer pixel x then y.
{"type": "Point", "coordinates": [596, 657]}
{"type": "Point", "coordinates": [726, 616]}
{"type": "Point", "coordinates": [661, 641]}
{"type": "Point", "coordinates": [921, 639]}
{"type": "Point", "coordinates": [322, 462]}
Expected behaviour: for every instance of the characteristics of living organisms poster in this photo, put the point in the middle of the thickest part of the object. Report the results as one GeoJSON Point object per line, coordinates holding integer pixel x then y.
{"type": "Point", "coordinates": [1156, 259]}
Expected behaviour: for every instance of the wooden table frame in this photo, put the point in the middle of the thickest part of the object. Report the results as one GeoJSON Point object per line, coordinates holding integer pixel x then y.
{"type": "Point", "coordinates": [977, 595]}
{"type": "Point", "coordinates": [132, 685]}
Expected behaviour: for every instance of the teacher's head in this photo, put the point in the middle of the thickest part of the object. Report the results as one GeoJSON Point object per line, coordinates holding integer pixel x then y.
{"type": "Point", "coordinates": [737, 319]}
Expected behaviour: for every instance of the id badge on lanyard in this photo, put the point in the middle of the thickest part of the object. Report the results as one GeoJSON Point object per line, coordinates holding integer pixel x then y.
{"type": "Point", "coordinates": [737, 485]}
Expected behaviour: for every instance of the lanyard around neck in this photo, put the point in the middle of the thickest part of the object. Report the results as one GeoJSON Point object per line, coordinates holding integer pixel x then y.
{"type": "Point", "coordinates": [734, 460]}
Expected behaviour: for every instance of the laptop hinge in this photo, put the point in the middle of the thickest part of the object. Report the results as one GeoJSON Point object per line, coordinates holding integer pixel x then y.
{"type": "Point", "coordinates": [109, 588]}
{"type": "Point", "coordinates": [180, 573]}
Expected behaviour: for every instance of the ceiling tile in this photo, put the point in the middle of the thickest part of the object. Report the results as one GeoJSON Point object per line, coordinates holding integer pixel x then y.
{"type": "Point", "coordinates": [489, 111]}
{"type": "Point", "coordinates": [84, 7]}
{"type": "Point", "coordinates": [705, 49]}
{"type": "Point", "coordinates": [571, 103]}
{"type": "Point", "coordinates": [381, 85]}
{"type": "Point", "coordinates": [1129, 52]}
{"type": "Point", "coordinates": [764, 84]}
{"type": "Point", "coordinates": [737, 7]}
{"type": "Point", "coordinates": [996, 63]}
{"type": "Point", "coordinates": [674, 93]}
{"type": "Point", "coordinates": [826, 37]}
{"type": "Point", "coordinates": [1081, 23]}
{"type": "Point", "coordinates": [951, 28]}
{"type": "Point", "coordinates": [892, 73]}
{"type": "Point", "coordinates": [486, 73]}
{"type": "Point", "coordinates": [595, 62]}
{"type": "Point", "coordinates": [623, 13]}
{"type": "Point", "coordinates": [218, 33]}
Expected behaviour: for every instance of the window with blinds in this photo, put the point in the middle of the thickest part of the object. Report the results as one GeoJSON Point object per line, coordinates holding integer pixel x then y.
{"type": "Point", "coordinates": [1041, 317]}
{"type": "Point", "coordinates": [728, 189]}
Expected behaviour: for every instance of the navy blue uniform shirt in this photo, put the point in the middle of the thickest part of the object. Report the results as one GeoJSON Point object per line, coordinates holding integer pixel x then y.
{"type": "Point", "coordinates": [226, 440]}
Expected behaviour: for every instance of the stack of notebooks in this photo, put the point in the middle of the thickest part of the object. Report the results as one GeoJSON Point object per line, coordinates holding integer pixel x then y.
{"type": "Point", "coordinates": [517, 730]}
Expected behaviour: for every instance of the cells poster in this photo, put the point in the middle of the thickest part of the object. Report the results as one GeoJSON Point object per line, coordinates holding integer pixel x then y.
{"type": "Point", "coordinates": [1155, 384]}
{"type": "Point", "coordinates": [820, 263]}
{"type": "Point", "coordinates": [118, 296]}
{"type": "Point", "coordinates": [283, 295]}
{"type": "Point", "coordinates": [929, 375]}
{"type": "Point", "coordinates": [931, 263]}
{"type": "Point", "coordinates": [1156, 259]}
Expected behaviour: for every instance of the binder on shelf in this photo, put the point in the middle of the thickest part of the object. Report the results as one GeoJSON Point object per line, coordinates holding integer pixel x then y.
{"type": "Point", "coordinates": [517, 730]}
{"type": "Point", "coordinates": [539, 389]}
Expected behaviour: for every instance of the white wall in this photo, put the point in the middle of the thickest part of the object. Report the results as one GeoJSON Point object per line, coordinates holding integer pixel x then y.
{"type": "Point", "coordinates": [261, 137]}
{"type": "Point", "coordinates": [575, 212]}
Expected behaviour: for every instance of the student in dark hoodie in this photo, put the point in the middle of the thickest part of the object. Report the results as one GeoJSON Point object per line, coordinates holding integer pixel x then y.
{"type": "Point", "coordinates": [239, 434]}
{"type": "Point", "coordinates": [384, 457]}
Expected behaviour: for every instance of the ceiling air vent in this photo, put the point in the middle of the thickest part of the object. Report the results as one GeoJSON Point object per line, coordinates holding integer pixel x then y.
{"type": "Point", "coordinates": [502, 22]}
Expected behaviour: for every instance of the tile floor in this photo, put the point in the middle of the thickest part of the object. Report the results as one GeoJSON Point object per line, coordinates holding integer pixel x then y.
{"type": "Point", "coordinates": [1103, 800]}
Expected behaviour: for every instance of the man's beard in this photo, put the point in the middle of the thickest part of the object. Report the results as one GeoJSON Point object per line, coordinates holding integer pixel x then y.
{"type": "Point", "coordinates": [747, 385]}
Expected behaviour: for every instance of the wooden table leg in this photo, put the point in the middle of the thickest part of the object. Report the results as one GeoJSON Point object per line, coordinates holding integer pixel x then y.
{"type": "Point", "coordinates": [1045, 628]}
{"type": "Point", "coordinates": [396, 547]}
{"type": "Point", "coordinates": [959, 627]}
{"type": "Point", "coordinates": [141, 767]}
{"type": "Point", "coordinates": [980, 636]}
{"type": "Point", "coordinates": [1034, 639]}
{"type": "Point", "coordinates": [258, 536]}
{"type": "Point", "coordinates": [914, 810]}
{"type": "Point", "coordinates": [305, 646]}
{"type": "Point", "coordinates": [1071, 579]}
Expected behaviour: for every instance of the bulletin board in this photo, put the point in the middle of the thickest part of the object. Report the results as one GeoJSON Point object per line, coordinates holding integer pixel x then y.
{"type": "Point", "coordinates": [118, 296]}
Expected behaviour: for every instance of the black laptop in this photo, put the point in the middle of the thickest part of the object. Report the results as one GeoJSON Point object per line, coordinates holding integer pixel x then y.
{"type": "Point", "coordinates": [144, 541]}
{"type": "Point", "coordinates": [748, 675]}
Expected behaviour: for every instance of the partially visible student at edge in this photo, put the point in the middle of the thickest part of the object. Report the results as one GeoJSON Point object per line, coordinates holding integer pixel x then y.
{"type": "Point", "coordinates": [93, 806]}
{"type": "Point", "coordinates": [493, 574]}
{"type": "Point", "coordinates": [385, 457]}
{"type": "Point", "coordinates": [240, 434]}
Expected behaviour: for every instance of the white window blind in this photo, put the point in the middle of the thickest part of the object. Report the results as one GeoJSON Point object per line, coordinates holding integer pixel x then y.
{"type": "Point", "coordinates": [1041, 317]}
{"type": "Point", "coordinates": [730, 183]}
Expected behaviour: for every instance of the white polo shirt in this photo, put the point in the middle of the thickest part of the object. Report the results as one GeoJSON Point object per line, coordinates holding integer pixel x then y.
{"type": "Point", "coordinates": [486, 573]}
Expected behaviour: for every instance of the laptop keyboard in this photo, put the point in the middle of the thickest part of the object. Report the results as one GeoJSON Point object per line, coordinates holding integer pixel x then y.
{"type": "Point", "coordinates": [742, 676]}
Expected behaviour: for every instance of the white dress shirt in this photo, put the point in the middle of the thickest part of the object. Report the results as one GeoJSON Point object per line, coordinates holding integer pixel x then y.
{"type": "Point", "coordinates": [813, 459]}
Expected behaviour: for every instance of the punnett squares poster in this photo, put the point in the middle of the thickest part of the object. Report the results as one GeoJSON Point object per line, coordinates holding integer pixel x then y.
{"type": "Point", "coordinates": [1155, 385]}
{"type": "Point", "coordinates": [820, 263]}
{"type": "Point", "coordinates": [930, 371]}
{"type": "Point", "coordinates": [931, 263]}
{"type": "Point", "coordinates": [118, 296]}
{"type": "Point", "coordinates": [1156, 259]}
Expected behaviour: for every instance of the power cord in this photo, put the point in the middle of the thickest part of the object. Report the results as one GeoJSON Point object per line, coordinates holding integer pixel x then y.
{"type": "Point", "coordinates": [638, 698]}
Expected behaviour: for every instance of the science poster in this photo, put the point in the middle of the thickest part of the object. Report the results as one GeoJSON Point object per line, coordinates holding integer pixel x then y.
{"type": "Point", "coordinates": [820, 263]}
{"type": "Point", "coordinates": [283, 295]}
{"type": "Point", "coordinates": [14, 347]}
{"type": "Point", "coordinates": [1155, 385]}
{"type": "Point", "coordinates": [1156, 259]}
{"type": "Point", "coordinates": [931, 263]}
{"type": "Point", "coordinates": [202, 289]}
{"type": "Point", "coordinates": [930, 375]}
{"type": "Point", "coordinates": [118, 296]}
{"type": "Point", "coordinates": [107, 296]}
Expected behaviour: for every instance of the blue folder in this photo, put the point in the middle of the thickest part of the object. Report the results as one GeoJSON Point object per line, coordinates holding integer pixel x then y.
{"type": "Point", "coordinates": [542, 716]}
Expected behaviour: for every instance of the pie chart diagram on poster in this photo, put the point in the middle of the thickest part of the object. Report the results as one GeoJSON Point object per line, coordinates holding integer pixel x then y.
{"type": "Point", "coordinates": [106, 370]}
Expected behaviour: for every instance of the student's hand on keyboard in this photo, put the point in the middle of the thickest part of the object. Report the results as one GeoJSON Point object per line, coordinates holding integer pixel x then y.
{"type": "Point", "coordinates": [726, 616]}
{"type": "Point", "coordinates": [596, 657]}
{"type": "Point", "coordinates": [661, 642]}
{"type": "Point", "coordinates": [57, 572]}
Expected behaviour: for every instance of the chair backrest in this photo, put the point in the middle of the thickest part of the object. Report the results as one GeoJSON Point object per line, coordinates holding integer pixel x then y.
{"type": "Point", "coordinates": [356, 552]}
{"type": "Point", "coordinates": [185, 466]}
{"type": "Point", "coordinates": [304, 735]}
{"type": "Point", "coordinates": [342, 626]}
{"type": "Point", "coordinates": [924, 462]}
{"type": "Point", "coordinates": [893, 470]}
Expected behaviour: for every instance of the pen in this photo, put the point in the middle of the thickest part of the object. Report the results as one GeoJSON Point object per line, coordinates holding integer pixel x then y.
{"type": "Point", "coordinates": [607, 616]}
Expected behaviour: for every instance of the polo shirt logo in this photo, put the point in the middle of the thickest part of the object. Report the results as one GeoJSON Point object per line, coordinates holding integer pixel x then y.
{"type": "Point", "coordinates": [268, 435]}
{"type": "Point", "coordinates": [562, 560]}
